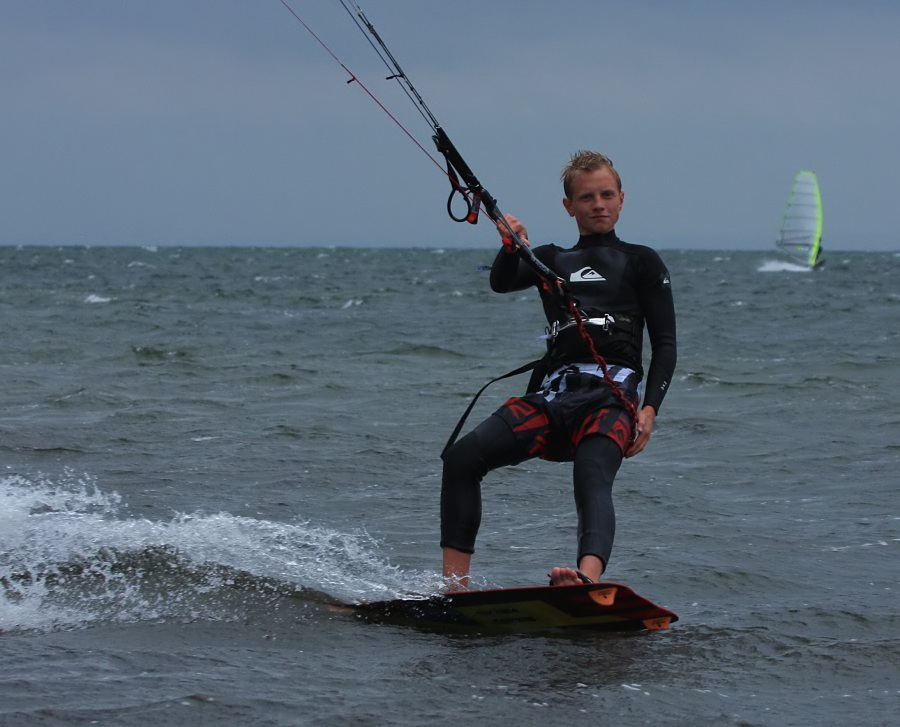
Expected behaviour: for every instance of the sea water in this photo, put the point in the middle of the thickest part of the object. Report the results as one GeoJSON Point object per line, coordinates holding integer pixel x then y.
{"type": "Point", "coordinates": [202, 450]}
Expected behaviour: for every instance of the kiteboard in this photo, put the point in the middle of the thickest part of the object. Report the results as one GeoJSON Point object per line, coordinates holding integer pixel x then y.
{"type": "Point", "coordinates": [594, 606]}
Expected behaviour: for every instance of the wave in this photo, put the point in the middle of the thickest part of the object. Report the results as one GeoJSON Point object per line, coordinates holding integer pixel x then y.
{"type": "Point", "coordinates": [781, 266]}
{"type": "Point", "coordinates": [72, 558]}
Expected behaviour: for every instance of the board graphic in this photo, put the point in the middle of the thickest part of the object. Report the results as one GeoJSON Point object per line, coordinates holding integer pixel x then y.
{"type": "Point", "coordinates": [596, 606]}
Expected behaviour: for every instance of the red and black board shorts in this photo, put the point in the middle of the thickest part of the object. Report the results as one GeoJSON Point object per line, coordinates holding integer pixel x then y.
{"type": "Point", "coordinates": [553, 429]}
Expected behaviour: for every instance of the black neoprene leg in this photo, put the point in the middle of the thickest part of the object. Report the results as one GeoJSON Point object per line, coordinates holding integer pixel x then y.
{"type": "Point", "coordinates": [597, 461]}
{"type": "Point", "coordinates": [490, 445]}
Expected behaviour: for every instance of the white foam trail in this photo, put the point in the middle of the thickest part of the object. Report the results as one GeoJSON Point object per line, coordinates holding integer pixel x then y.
{"type": "Point", "coordinates": [50, 530]}
{"type": "Point", "coordinates": [780, 266]}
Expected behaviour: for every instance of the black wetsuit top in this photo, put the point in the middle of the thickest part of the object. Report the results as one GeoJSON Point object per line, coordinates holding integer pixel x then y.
{"type": "Point", "coordinates": [605, 275]}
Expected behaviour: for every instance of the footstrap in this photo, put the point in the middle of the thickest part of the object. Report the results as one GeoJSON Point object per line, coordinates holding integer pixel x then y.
{"type": "Point", "coordinates": [581, 576]}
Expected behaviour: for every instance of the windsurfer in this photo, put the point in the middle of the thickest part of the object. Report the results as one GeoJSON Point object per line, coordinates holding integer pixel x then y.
{"type": "Point", "coordinates": [575, 414]}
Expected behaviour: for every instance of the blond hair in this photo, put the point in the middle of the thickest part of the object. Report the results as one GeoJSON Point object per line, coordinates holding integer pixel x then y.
{"type": "Point", "coordinates": [586, 161]}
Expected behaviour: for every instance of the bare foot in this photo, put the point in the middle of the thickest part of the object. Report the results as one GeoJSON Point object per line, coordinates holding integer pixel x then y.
{"type": "Point", "coordinates": [560, 576]}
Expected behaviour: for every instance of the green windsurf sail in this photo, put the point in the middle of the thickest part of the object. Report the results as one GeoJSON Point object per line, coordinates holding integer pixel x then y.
{"type": "Point", "coordinates": [800, 236]}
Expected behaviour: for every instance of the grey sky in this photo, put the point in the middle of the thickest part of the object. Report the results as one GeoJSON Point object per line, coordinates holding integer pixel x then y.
{"type": "Point", "coordinates": [200, 122]}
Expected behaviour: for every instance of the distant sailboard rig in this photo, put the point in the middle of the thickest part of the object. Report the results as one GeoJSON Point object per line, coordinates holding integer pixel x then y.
{"type": "Point", "coordinates": [800, 236]}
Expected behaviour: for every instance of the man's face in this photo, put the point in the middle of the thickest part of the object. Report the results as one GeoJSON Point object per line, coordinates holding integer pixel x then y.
{"type": "Point", "coordinates": [596, 201]}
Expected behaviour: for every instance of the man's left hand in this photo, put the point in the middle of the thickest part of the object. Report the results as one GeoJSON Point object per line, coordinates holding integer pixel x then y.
{"type": "Point", "coordinates": [646, 418]}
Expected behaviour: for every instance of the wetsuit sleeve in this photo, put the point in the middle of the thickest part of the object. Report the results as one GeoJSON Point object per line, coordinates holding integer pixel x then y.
{"type": "Point", "coordinates": [509, 273]}
{"type": "Point", "coordinates": [659, 314]}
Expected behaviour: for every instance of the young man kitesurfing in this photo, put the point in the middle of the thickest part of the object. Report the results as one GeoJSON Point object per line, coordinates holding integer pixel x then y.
{"type": "Point", "coordinates": [597, 296]}
{"type": "Point", "coordinates": [586, 408]}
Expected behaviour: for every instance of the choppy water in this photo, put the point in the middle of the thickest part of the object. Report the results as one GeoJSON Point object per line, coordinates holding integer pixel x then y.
{"type": "Point", "coordinates": [201, 448]}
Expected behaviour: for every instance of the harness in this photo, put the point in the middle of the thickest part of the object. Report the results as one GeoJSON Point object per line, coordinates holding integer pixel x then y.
{"type": "Point", "coordinates": [615, 333]}
{"type": "Point", "coordinates": [605, 329]}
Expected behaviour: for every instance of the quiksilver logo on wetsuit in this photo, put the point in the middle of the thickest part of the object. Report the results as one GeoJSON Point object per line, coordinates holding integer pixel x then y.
{"type": "Point", "coordinates": [585, 275]}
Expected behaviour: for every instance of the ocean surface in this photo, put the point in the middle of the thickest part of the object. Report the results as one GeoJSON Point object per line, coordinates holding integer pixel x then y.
{"type": "Point", "coordinates": [202, 449]}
